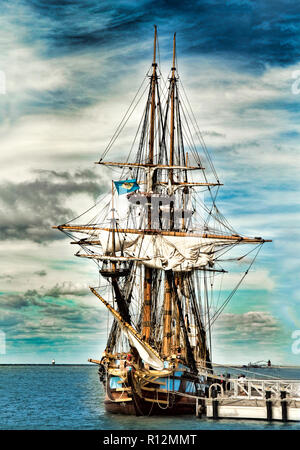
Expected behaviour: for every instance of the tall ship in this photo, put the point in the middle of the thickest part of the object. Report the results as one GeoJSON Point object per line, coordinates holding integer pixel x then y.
{"type": "Point", "coordinates": [168, 260]}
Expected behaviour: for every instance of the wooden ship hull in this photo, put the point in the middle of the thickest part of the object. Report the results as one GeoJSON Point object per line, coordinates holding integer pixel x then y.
{"type": "Point", "coordinates": [150, 407]}
{"type": "Point", "coordinates": [150, 392]}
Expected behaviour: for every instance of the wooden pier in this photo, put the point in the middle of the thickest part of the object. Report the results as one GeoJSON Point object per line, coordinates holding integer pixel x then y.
{"type": "Point", "coordinates": [252, 399]}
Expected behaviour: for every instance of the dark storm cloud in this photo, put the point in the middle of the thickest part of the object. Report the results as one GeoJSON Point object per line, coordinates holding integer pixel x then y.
{"type": "Point", "coordinates": [40, 298]}
{"type": "Point", "coordinates": [78, 24]}
{"type": "Point", "coordinates": [66, 289]}
{"type": "Point", "coordinates": [30, 208]}
{"type": "Point", "coordinates": [13, 301]}
{"type": "Point", "coordinates": [260, 30]}
{"type": "Point", "coordinates": [39, 313]}
{"type": "Point", "coordinates": [108, 38]}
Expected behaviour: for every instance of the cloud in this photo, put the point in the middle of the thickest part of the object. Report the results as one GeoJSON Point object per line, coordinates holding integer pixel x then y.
{"type": "Point", "coordinates": [258, 279]}
{"type": "Point", "coordinates": [31, 208]}
{"type": "Point", "coordinates": [251, 336]}
{"type": "Point", "coordinates": [67, 288]}
{"type": "Point", "coordinates": [38, 297]}
{"type": "Point", "coordinates": [13, 301]}
{"type": "Point", "coordinates": [52, 313]}
{"type": "Point", "coordinates": [41, 273]}
{"type": "Point", "coordinates": [8, 277]}
{"type": "Point", "coordinates": [249, 326]}
{"type": "Point", "coordinates": [251, 28]}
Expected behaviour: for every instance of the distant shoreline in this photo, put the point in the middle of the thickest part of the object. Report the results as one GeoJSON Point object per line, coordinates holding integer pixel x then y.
{"type": "Point", "coordinates": [245, 366]}
{"type": "Point", "coordinates": [239, 366]}
{"type": "Point", "coordinates": [41, 364]}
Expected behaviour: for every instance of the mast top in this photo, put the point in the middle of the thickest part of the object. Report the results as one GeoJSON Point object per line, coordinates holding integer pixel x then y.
{"type": "Point", "coordinates": [154, 49]}
{"type": "Point", "coordinates": [174, 55]}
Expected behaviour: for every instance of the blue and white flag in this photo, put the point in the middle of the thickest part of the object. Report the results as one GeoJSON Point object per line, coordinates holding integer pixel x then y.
{"type": "Point", "coordinates": [126, 186]}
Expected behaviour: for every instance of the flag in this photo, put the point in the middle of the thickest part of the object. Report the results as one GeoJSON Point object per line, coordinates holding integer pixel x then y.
{"type": "Point", "coordinates": [126, 186]}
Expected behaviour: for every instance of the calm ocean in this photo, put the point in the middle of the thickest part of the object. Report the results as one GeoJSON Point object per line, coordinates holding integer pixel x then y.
{"type": "Point", "coordinates": [70, 397]}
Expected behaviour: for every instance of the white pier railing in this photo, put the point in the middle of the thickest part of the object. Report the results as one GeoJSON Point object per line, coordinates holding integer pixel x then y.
{"type": "Point", "coordinates": [256, 388]}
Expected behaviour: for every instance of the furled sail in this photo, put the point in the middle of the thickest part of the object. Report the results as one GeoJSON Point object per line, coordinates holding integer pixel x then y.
{"type": "Point", "coordinates": [147, 355]}
{"type": "Point", "coordinates": [146, 352]}
{"type": "Point", "coordinates": [175, 253]}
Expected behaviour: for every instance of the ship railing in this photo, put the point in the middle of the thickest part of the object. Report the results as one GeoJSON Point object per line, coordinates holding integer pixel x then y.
{"type": "Point", "coordinates": [256, 388]}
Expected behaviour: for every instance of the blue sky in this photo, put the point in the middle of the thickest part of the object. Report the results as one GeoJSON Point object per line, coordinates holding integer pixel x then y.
{"type": "Point", "coordinates": [71, 70]}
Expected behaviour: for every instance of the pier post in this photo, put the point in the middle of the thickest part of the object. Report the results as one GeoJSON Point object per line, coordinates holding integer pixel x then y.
{"type": "Point", "coordinates": [215, 403]}
{"type": "Point", "coordinates": [283, 406]}
{"type": "Point", "coordinates": [269, 405]}
{"type": "Point", "coordinates": [200, 408]}
{"type": "Point", "coordinates": [227, 384]}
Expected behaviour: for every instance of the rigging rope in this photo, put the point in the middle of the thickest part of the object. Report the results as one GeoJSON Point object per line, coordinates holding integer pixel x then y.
{"type": "Point", "coordinates": [123, 121]}
{"type": "Point", "coordinates": [219, 311]}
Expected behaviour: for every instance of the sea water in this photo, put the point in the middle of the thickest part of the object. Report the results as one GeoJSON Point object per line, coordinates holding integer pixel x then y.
{"type": "Point", "coordinates": [70, 397]}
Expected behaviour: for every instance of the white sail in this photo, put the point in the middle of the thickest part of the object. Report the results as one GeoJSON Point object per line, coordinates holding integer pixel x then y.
{"type": "Point", "coordinates": [148, 354]}
{"type": "Point", "coordinates": [145, 353]}
{"type": "Point", "coordinates": [177, 253]}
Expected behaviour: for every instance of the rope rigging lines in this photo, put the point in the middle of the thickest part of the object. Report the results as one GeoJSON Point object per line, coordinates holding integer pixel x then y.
{"type": "Point", "coordinates": [166, 266]}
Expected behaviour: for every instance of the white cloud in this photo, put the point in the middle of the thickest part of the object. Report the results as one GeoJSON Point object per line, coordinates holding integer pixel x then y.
{"type": "Point", "coordinates": [254, 280]}
{"type": "Point", "coordinates": [251, 336]}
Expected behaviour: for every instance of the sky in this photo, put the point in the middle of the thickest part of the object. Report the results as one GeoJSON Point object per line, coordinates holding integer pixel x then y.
{"type": "Point", "coordinates": [68, 72]}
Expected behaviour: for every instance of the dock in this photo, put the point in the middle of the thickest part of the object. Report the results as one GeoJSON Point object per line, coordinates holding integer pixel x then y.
{"type": "Point", "coordinates": [252, 399]}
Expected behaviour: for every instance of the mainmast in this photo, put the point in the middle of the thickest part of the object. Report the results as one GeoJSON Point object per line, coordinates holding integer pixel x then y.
{"type": "Point", "coordinates": [167, 319]}
{"type": "Point", "coordinates": [146, 321]}
{"type": "Point", "coordinates": [173, 81]}
{"type": "Point", "coordinates": [153, 85]}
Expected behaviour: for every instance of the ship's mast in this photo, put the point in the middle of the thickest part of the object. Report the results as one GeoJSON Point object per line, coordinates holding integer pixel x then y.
{"type": "Point", "coordinates": [167, 318]}
{"type": "Point", "coordinates": [146, 321]}
{"type": "Point", "coordinates": [173, 81]}
{"type": "Point", "coordinates": [153, 86]}
{"type": "Point", "coordinates": [113, 225]}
